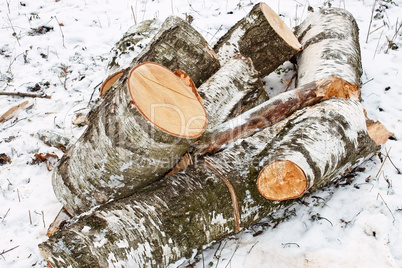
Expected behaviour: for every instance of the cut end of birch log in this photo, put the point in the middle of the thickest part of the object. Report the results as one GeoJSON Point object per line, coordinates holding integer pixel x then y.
{"type": "Point", "coordinates": [166, 101]}
{"type": "Point", "coordinates": [109, 82]}
{"type": "Point", "coordinates": [280, 27]}
{"type": "Point", "coordinates": [261, 36]}
{"type": "Point", "coordinates": [282, 180]}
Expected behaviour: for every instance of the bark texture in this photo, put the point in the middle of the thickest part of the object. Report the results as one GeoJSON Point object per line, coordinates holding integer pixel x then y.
{"type": "Point", "coordinates": [177, 45]}
{"type": "Point", "coordinates": [119, 152]}
{"type": "Point", "coordinates": [212, 199]}
{"type": "Point", "coordinates": [330, 39]}
{"type": "Point", "coordinates": [235, 88]}
{"type": "Point", "coordinates": [274, 110]}
{"type": "Point", "coordinates": [263, 37]}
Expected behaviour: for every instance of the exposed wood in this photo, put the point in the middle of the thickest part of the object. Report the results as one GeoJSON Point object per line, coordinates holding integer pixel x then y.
{"type": "Point", "coordinates": [261, 36]}
{"type": "Point", "coordinates": [135, 135]}
{"type": "Point", "coordinates": [13, 111]}
{"type": "Point", "coordinates": [109, 82]}
{"type": "Point", "coordinates": [177, 45]}
{"type": "Point", "coordinates": [378, 132]}
{"type": "Point", "coordinates": [330, 39]}
{"type": "Point", "coordinates": [170, 218]}
{"type": "Point", "coordinates": [274, 110]}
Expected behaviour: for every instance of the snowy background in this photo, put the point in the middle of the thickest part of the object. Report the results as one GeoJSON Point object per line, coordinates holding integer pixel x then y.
{"type": "Point", "coordinates": [356, 223]}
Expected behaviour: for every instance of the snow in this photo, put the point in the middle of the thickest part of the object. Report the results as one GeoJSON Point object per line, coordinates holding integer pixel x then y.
{"type": "Point", "coordinates": [355, 225]}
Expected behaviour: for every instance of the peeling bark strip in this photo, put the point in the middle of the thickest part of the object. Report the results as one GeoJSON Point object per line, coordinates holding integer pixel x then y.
{"type": "Point", "coordinates": [234, 88]}
{"type": "Point", "coordinates": [140, 130]}
{"type": "Point", "coordinates": [263, 37]}
{"type": "Point", "coordinates": [168, 219]}
{"type": "Point", "coordinates": [178, 45]}
{"type": "Point", "coordinates": [274, 110]}
{"type": "Point", "coordinates": [330, 39]}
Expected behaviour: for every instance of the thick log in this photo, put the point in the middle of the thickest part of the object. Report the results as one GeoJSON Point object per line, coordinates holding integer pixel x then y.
{"type": "Point", "coordinates": [262, 36]}
{"type": "Point", "coordinates": [330, 39]}
{"type": "Point", "coordinates": [144, 125]}
{"type": "Point", "coordinates": [215, 198]}
{"type": "Point", "coordinates": [274, 110]}
{"type": "Point", "coordinates": [177, 45]}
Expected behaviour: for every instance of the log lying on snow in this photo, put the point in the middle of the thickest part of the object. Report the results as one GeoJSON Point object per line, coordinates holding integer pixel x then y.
{"type": "Point", "coordinates": [263, 37]}
{"type": "Point", "coordinates": [145, 123]}
{"type": "Point", "coordinates": [217, 196]}
{"type": "Point", "coordinates": [274, 110]}
{"type": "Point", "coordinates": [330, 39]}
{"type": "Point", "coordinates": [177, 45]}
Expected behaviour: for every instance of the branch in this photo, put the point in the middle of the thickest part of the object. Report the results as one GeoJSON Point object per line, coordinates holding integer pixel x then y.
{"type": "Point", "coordinates": [21, 94]}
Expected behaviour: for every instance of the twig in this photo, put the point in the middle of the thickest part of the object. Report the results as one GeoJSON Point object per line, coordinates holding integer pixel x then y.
{"type": "Point", "coordinates": [371, 20]}
{"type": "Point", "coordinates": [61, 30]}
{"type": "Point", "coordinates": [30, 218]}
{"type": "Point", "coordinates": [289, 244]}
{"type": "Point", "coordinates": [14, 32]}
{"type": "Point", "coordinates": [21, 94]}
{"type": "Point", "coordinates": [43, 219]}
{"type": "Point", "coordinates": [376, 176]}
{"type": "Point", "coordinates": [397, 169]}
{"type": "Point", "coordinates": [379, 195]}
{"type": "Point", "coordinates": [220, 28]}
{"type": "Point", "coordinates": [5, 215]}
{"type": "Point", "coordinates": [237, 247]}
{"type": "Point", "coordinates": [379, 39]}
{"type": "Point", "coordinates": [252, 247]}
{"type": "Point", "coordinates": [132, 10]}
{"type": "Point", "coordinates": [19, 198]}
{"type": "Point", "coordinates": [5, 251]}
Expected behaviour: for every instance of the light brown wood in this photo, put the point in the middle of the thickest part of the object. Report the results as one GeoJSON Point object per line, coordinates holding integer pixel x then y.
{"type": "Point", "coordinates": [166, 101]}
{"type": "Point", "coordinates": [109, 82]}
{"type": "Point", "coordinates": [282, 180]}
{"type": "Point", "coordinates": [280, 27]}
{"type": "Point", "coordinates": [378, 132]}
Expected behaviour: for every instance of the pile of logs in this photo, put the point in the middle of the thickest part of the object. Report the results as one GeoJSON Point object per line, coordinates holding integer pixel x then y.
{"type": "Point", "coordinates": [185, 148]}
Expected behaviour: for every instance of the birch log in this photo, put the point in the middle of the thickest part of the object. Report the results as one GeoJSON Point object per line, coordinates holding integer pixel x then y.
{"type": "Point", "coordinates": [177, 45]}
{"type": "Point", "coordinates": [144, 125]}
{"type": "Point", "coordinates": [272, 111]}
{"type": "Point", "coordinates": [216, 197]}
{"type": "Point", "coordinates": [234, 88]}
{"type": "Point", "coordinates": [330, 39]}
{"type": "Point", "coordinates": [263, 37]}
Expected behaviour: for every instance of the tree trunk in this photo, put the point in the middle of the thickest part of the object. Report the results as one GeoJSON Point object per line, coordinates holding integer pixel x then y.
{"type": "Point", "coordinates": [178, 45]}
{"type": "Point", "coordinates": [216, 197]}
{"type": "Point", "coordinates": [274, 110]}
{"type": "Point", "coordinates": [263, 37]}
{"type": "Point", "coordinates": [234, 88]}
{"type": "Point", "coordinates": [330, 39]}
{"type": "Point", "coordinates": [140, 130]}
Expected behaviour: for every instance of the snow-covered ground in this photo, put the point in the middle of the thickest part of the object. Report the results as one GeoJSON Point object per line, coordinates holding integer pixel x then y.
{"type": "Point", "coordinates": [357, 224]}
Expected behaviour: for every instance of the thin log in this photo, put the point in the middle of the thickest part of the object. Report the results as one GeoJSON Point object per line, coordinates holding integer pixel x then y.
{"type": "Point", "coordinates": [330, 39]}
{"type": "Point", "coordinates": [274, 110]}
{"type": "Point", "coordinates": [262, 36]}
{"type": "Point", "coordinates": [146, 122]}
{"type": "Point", "coordinates": [234, 88]}
{"type": "Point", "coordinates": [170, 218]}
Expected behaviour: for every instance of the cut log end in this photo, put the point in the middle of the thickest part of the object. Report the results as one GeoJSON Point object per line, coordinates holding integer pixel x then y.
{"type": "Point", "coordinates": [109, 82]}
{"type": "Point", "coordinates": [166, 101]}
{"type": "Point", "coordinates": [280, 27]}
{"type": "Point", "coordinates": [282, 180]}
